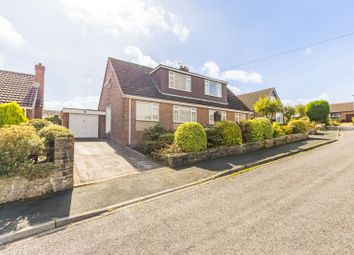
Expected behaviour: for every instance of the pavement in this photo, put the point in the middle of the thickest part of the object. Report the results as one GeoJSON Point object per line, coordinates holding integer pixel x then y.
{"type": "Point", "coordinates": [301, 204]}
{"type": "Point", "coordinates": [97, 160]}
{"type": "Point", "coordinates": [22, 215]}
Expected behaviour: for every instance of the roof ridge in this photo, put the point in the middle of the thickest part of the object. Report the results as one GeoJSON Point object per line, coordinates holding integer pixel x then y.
{"type": "Point", "coordinates": [128, 62]}
{"type": "Point", "coordinates": [27, 74]}
{"type": "Point", "coordinates": [272, 88]}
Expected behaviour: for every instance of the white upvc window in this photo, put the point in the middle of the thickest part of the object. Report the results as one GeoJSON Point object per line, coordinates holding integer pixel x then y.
{"type": "Point", "coordinates": [179, 81]}
{"type": "Point", "coordinates": [237, 117]}
{"type": "Point", "coordinates": [212, 116]}
{"type": "Point", "coordinates": [183, 114]}
{"type": "Point", "coordinates": [212, 88]}
{"type": "Point", "coordinates": [147, 111]}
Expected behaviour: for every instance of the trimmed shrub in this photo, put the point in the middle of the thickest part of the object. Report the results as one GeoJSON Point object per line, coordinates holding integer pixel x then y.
{"type": "Point", "coordinates": [287, 130]}
{"type": "Point", "coordinates": [214, 136]}
{"type": "Point", "coordinates": [49, 134]}
{"type": "Point", "coordinates": [231, 133]}
{"type": "Point", "coordinates": [154, 133]}
{"type": "Point", "coordinates": [277, 130]}
{"type": "Point", "coordinates": [318, 111]}
{"type": "Point", "coordinates": [38, 124]}
{"type": "Point", "coordinates": [167, 138]}
{"type": "Point", "coordinates": [298, 126]}
{"type": "Point", "coordinates": [148, 147]}
{"type": "Point", "coordinates": [252, 131]}
{"type": "Point", "coordinates": [20, 147]}
{"type": "Point", "coordinates": [266, 127]}
{"type": "Point", "coordinates": [11, 114]}
{"type": "Point", "coordinates": [55, 119]}
{"type": "Point", "coordinates": [190, 137]}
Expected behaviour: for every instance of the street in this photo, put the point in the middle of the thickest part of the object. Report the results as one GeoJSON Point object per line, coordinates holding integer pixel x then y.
{"type": "Point", "coordinates": [297, 205]}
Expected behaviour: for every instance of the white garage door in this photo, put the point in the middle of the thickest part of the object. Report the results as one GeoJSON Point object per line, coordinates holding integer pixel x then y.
{"type": "Point", "coordinates": [83, 125]}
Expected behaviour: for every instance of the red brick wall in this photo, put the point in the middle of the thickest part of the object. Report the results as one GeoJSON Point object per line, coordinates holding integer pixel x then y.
{"type": "Point", "coordinates": [39, 77]}
{"type": "Point", "coordinates": [65, 119]}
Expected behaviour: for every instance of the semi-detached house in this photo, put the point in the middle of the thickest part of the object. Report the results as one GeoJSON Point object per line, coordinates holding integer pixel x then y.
{"type": "Point", "coordinates": [135, 97]}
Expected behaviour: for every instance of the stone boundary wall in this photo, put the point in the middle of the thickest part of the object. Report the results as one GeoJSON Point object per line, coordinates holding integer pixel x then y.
{"type": "Point", "coordinates": [180, 159]}
{"type": "Point", "coordinates": [61, 178]}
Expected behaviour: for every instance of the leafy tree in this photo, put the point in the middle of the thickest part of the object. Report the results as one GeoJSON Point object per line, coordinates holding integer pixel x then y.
{"type": "Point", "coordinates": [55, 119]}
{"type": "Point", "coordinates": [300, 110]}
{"type": "Point", "coordinates": [289, 112]}
{"type": "Point", "coordinates": [318, 111]}
{"type": "Point", "coordinates": [11, 114]}
{"type": "Point", "coordinates": [268, 107]}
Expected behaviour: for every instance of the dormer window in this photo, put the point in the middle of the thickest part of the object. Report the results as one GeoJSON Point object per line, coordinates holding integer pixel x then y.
{"type": "Point", "coordinates": [212, 88]}
{"type": "Point", "coordinates": [179, 81]}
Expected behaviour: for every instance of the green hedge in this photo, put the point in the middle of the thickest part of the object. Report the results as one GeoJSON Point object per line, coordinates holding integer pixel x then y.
{"type": "Point", "coordinates": [49, 133]}
{"type": "Point", "coordinates": [38, 124]}
{"type": "Point", "coordinates": [230, 131]}
{"type": "Point", "coordinates": [190, 137]}
{"type": "Point", "coordinates": [277, 130]}
{"type": "Point", "coordinates": [266, 127]}
{"type": "Point", "coordinates": [298, 126]}
{"type": "Point", "coordinates": [20, 147]}
{"type": "Point", "coordinates": [252, 131]}
{"type": "Point", "coordinates": [167, 138]}
{"type": "Point", "coordinates": [11, 114]}
{"type": "Point", "coordinates": [214, 136]}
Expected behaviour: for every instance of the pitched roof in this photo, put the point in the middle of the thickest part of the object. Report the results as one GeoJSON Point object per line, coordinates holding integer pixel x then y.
{"type": "Point", "coordinates": [18, 87]}
{"type": "Point", "coordinates": [342, 107]}
{"type": "Point", "coordinates": [250, 99]}
{"type": "Point", "coordinates": [134, 79]}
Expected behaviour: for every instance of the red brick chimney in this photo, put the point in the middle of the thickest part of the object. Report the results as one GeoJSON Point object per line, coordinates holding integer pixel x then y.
{"type": "Point", "coordinates": [39, 78]}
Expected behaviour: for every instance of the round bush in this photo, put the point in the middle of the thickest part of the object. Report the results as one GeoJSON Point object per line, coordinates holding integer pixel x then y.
{"type": "Point", "coordinates": [252, 131]}
{"type": "Point", "coordinates": [20, 147]}
{"type": "Point", "coordinates": [11, 114]}
{"type": "Point", "coordinates": [214, 136]}
{"type": "Point", "coordinates": [277, 130]}
{"type": "Point", "coordinates": [298, 126]}
{"type": "Point", "coordinates": [266, 127]}
{"type": "Point", "coordinates": [190, 137]}
{"type": "Point", "coordinates": [231, 133]}
{"type": "Point", "coordinates": [287, 130]}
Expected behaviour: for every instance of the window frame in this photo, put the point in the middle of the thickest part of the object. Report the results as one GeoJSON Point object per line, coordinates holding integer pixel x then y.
{"type": "Point", "coordinates": [212, 112]}
{"type": "Point", "coordinates": [172, 85]}
{"type": "Point", "coordinates": [152, 106]}
{"type": "Point", "coordinates": [176, 117]}
{"type": "Point", "coordinates": [237, 117]}
{"type": "Point", "coordinates": [207, 89]}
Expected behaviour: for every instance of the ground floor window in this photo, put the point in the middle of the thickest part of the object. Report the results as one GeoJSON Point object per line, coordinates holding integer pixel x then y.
{"type": "Point", "coordinates": [147, 111]}
{"type": "Point", "coordinates": [183, 114]}
{"type": "Point", "coordinates": [215, 116]}
{"type": "Point", "coordinates": [335, 115]}
{"type": "Point", "coordinates": [279, 118]}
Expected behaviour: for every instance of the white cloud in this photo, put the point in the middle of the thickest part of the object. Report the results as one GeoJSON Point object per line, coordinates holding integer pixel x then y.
{"type": "Point", "coordinates": [135, 17]}
{"type": "Point", "coordinates": [138, 57]}
{"type": "Point", "coordinates": [89, 102]}
{"type": "Point", "coordinates": [324, 96]}
{"type": "Point", "coordinates": [308, 51]}
{"type": "Point", "coordinates": [9, 35]}
{"type": "Point", "coordinates": [213, 70]}
{"type": "Point", "coordinates": [86, 80]}
{"type": "Point", "coordinates": [2, 61]}
{"type": "Point", "coordinates": [234, 89]}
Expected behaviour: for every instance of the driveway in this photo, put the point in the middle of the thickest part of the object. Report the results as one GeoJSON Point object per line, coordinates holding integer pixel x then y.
{"type": "Point", "coordinates": [97, 160]}
{"type": "Point", "coordinates": [298, 205]}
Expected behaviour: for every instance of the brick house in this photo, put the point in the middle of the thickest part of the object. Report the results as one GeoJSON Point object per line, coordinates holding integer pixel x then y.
{"type": "Point", "coordinates": [250, 99]}
{"type": "Point", "coordinates": [343, 112]}
{"type": "Point", "coordinates": [135, 97]}
{"type": "Point", "coordinates": [25, 89]}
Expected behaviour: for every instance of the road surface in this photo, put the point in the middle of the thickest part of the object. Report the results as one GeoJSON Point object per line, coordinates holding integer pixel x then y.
{"type": "Point", "coordinates": [302, 205]}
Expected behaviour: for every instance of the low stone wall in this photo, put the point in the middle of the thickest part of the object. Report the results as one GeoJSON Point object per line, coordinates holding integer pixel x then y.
{"type": "Point", "coordinates": [61, 178]}
{"type": "Point", "coordinates": [180, 159]}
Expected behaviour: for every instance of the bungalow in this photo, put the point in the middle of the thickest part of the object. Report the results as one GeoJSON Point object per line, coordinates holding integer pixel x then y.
{"type": "Point", "coordinates": [250, 100]}
{"type": "Point", "coordinates": [135, 97]}
{"type": "Point", "coordinates": [25, 89]}
{"type": "Point", "coordinates": [343, 112]}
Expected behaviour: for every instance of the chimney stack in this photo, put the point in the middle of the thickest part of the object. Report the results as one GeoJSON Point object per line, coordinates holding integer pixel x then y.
{"type": "Point", "coordinates": [39, 78]}
{"type": "Point", "coordinates": [183, 68]}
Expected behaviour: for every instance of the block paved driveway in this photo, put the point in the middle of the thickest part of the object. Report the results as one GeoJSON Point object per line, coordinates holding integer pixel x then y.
{"type": "Point", "coordinates": [97, 160]}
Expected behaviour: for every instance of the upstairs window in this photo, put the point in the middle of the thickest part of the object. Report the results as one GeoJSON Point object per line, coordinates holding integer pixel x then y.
{"type": "Point", "coordinates": [147, 111]}
{"type": "Point", "coordinates": [184, 114]}
{"type": "Point", "coordinates": [212, 88]}
{"type": "Point", "coordinates": [179, 81]}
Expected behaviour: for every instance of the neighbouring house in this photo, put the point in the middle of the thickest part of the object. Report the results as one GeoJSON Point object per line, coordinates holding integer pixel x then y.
{"type": "Point", "coordinates": [49, 113]}
{"type": "Point", "coordinates": [25, 89]}
{"type": "Point", "coordinates": [250, 99]}
{"type": "Point", "coordinates": [135, 97]}
{"type": "Point", "coordinates": [343, 112]}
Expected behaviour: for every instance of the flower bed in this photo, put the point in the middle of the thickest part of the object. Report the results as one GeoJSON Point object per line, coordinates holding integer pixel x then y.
{"type": "Point", "coordinates": [180, 159]}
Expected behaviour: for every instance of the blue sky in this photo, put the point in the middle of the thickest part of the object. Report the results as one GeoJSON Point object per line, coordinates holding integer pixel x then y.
{"type": "Point", "coordinates": [73, 39]}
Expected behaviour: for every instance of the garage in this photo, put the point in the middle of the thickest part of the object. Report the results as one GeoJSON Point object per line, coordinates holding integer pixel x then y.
{"type": "Point", "coordinates": [84, 123]}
